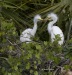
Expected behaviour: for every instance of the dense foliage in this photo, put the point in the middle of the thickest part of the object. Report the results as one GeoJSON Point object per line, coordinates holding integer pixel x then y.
{"type": "Point", "coordinates": [41, 57]}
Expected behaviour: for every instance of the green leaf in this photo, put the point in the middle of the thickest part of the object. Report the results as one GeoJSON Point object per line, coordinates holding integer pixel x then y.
{"type": "Point", "coordinates": [35, 66]}
{"type": "Point", "coordinates": [45, 43]}
{"type": "Point", "coordinates": [38, 47]}
{"type": "Point", "coordinates": [31, 71]}
{"type": "Point", "coordinates": [3, 69]}
{"type": "Point", "coordinates": [23, 45]}
{"type": "Point", "coordinates": [35, 62]}
{"type": "Point", "coordinates": [29, 56]}
{"type": "Point", "coordinates": [28, 66]}
{"type": "Point", "coordinates": [16, 68]}
{"type": "Point", "coordinates": [39, 62]}
{"type": "Point", "coordinates": [9, 73]}
{"type": "Point", "coordinates": [10, 47]}
{"type": "Point", "coordinates": [14, 32]}
{"type": "Point", "coordinates": [37, 55]}
{"type": "Point", "coordinates": [35, 73]}
{"type": "Point", "coordinates": [66, 67]}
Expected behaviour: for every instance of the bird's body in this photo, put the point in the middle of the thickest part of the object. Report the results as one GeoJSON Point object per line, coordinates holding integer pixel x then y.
{"type": "Point", "coordinates": [54, 30]}
{"type": "Point", "coordinates": [57, 31]}
{"type": "Point", "coordinates": [28, 33]}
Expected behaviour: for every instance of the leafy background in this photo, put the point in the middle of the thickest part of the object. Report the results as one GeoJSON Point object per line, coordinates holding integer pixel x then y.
{"type": "Point", "coordinates": [40, 57]}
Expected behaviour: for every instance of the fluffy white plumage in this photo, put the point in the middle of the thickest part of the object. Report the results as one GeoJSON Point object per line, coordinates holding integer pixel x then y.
{"type": "Point", "coordinates": [54, 30]}
{"type": "Point", "coordinates": [28, 33]}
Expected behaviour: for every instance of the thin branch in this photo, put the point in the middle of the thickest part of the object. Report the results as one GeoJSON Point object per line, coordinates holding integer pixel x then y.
{"type": "Point", "coordinates": [58, 67]}
{"type": "Point", "coordinates": [47, 69]}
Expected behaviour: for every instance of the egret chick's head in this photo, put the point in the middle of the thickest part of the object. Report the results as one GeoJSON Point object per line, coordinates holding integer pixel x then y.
{"type": "Point", "coordinates": [52, 17]}
{"type": "Point", "coordinates": [37, 18]}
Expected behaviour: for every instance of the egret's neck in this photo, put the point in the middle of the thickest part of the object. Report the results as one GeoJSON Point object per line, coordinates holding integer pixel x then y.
{"type": "Point", "coordinates": [50, 25]}
{"type": "Point", "coordinates": [34, 28]}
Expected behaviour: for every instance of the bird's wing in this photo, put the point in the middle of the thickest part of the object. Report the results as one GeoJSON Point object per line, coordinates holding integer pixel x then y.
{"type": "Point", "coordinates": [27, 31]}
{"type": "Point", "coordinates": [26, 35]}
{"type": "Point", "coordinates": [56, 30]}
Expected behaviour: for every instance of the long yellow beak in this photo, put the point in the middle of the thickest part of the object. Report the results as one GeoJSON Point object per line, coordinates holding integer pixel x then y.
{"type": "Point", "coordinates": [48, 18]}
{"type": "Point", "coordinates": [41, 19]}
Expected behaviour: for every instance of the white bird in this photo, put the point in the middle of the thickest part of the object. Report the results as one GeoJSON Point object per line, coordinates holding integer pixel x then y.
{"type": "Point", "coordinates": [28, 33]}
{"type": "Point", "coordinates": [54, 30]}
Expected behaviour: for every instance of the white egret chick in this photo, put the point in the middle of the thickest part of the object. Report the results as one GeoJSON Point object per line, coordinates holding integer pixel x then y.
{"type": "Point", "coordinates": [54, 30]}
{"type": "Point", "coordinates": [28, 33]}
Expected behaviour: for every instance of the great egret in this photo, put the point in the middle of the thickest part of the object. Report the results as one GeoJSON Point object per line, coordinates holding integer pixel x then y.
{"type": "Point", "coordinates": [28, 33]}
{"type": "Point", "coordinates": [54, 30]}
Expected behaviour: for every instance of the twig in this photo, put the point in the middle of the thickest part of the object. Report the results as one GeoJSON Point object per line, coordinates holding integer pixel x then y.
{"type": "Point", "coordinates": [47, 69]}
{"type": "Point", "coordinates": [58, 67]}
{"type": "Point", "coordinates": [12, 43]}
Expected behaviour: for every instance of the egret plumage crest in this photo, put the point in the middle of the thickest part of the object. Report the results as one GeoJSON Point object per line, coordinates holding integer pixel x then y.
{"type": "Point", "coordinates": [52, 16]}
{"type": "Point", "coordinates": [37, 18]}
